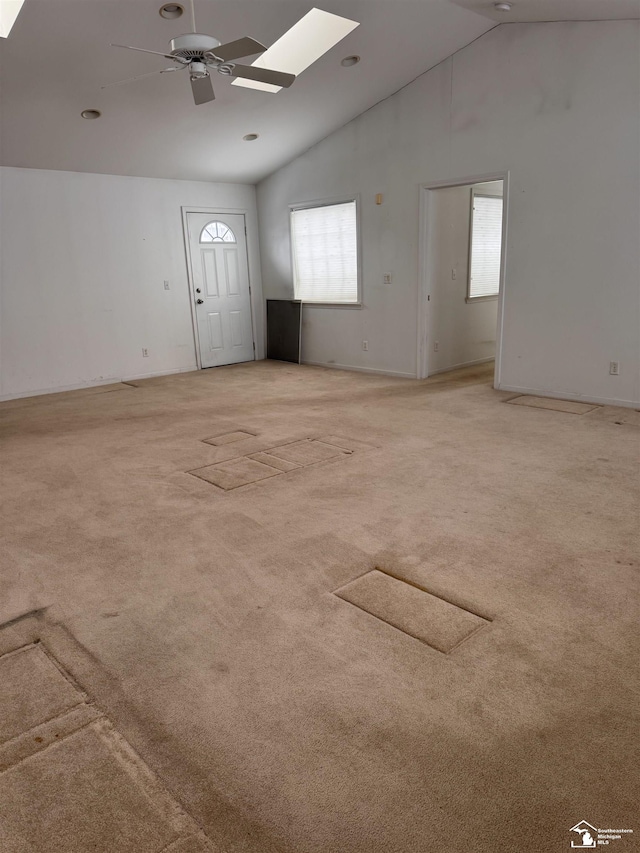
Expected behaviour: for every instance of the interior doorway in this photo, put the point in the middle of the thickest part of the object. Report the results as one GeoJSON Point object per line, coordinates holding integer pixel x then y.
{"type": "Point", "coordinates": [218, 267]}
{"type": "Point", "coordinates": [463, 228]}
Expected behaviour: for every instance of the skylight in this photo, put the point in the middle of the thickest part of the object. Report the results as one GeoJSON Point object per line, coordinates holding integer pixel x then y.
{"type": "Point", "coordinates": [9, 11]}
{"type": "Point", "coordinates": [313, 35]}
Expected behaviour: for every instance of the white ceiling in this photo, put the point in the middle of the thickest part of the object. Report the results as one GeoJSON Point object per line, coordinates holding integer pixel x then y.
{"type": "Point", "coordinates": [58, 56]}
{"type": "Point", "coordinates": [556, 10]}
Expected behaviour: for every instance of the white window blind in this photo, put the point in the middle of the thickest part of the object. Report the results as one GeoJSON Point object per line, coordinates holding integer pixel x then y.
{"type": "Point", "coordinates": [325, 253]}
{"type": "Point", "coordinates": [486, 239]}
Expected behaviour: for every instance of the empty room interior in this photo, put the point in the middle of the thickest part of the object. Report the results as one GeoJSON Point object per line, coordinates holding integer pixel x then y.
{"type": "Point", "coordinates": [319, 426]}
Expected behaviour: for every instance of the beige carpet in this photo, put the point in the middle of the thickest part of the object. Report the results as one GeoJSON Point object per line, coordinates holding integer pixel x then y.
{"type": "Point", "coordinates": [210, 625]}
{"type": "Point", "coordinates": [68, 781]}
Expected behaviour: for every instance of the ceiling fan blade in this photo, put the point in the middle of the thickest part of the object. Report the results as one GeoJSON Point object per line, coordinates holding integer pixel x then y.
{"type": "Point", "coordinates": [308, 40]}
{"type": "Point", "coordinates": [236, 49]}
{"type": "Point", "coordinates": [202, 89]}
{"type": "Point", "coordinates": [141, 76]}
{"type": "Point", "coordinates": [155, 52]}
{"type": "Point", "coordinates": [263, 75]}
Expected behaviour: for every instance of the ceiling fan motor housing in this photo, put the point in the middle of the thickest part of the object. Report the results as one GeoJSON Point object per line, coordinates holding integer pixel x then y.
{"type": "Point", "coordinates": [192, 46]}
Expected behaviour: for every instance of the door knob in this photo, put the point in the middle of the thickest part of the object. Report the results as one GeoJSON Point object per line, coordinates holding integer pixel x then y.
{"type": "Point", "coordinates": [199, 301]}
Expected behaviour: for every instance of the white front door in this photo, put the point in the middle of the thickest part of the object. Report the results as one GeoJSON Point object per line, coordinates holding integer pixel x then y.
{"type": "Point", "coordinates": [220, 277]}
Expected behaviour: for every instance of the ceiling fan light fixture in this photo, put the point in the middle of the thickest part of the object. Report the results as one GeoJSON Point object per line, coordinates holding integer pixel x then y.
{"type": "Point", "coordinates": [171, 11]}
{"type": "Point", "coordinates": [251, 137]}
{"type": "Point", "coordinates": [90, 114]}
{"type": "Point", "coordinates": [503, 7]}
{"type": "Point", "coordinates": [197, 70]}
{"type": "Point", "coordinates": [348, 61]}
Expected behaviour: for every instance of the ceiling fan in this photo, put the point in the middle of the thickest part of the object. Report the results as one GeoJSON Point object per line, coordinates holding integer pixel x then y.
{"type": "Point", "coordinates": [200, 54]}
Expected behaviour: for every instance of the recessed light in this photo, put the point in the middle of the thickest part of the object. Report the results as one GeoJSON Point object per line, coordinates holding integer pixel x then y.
{"type": "Point", "coordinates": [250, 137]}
{"type": "Point", "coordinates": [171, 11]}
{"type": "Point", "coordinates": [503, 7]}
{"type": "Point", "coordinates": [90, 113]}
{"type": "Point", "coordinates": [348, 61]}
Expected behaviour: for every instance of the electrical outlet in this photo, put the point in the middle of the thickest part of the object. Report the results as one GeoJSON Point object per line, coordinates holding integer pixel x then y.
{"type": "Point", "coordinates": [166, 285]}
{"type": "Point", "coordinates": [365, 346]}
{"type": "Point", "coordinates": [386, 278]}
{"type": "Point", "coordinates": [614, 368]}
{"type": "Point", "coordinates": [436, 346]}
{"type": "Point", "coordinates": [145, 352]}
{"type": "Point", "coordinates": [454, 274]}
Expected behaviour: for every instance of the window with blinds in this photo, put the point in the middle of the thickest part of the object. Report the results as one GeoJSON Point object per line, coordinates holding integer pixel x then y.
{"type": "Point", "coordinates": [486, 240]}
{"type": "Point", "coordinates": [324, 244]}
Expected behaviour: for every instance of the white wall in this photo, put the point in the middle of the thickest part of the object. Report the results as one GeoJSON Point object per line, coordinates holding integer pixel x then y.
{"type": "Point", "coordinates": [555, 105]}
{"type": "Point", "coordinates": [465, 332]}
{"type": "Point", "coordinates": [84, 258]}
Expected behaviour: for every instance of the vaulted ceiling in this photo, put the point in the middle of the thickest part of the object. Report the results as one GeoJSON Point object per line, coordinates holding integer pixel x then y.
{"type": "Point", "coordinates": [58, 56]}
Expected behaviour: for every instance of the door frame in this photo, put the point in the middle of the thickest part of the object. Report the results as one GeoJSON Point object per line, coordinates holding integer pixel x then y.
{"type": "Point", "coordinates": [192, 293]}
{"type": "Point", "coordinates": [424, 283]}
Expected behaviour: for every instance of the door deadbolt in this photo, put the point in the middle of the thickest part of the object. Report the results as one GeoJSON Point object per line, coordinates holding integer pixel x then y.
{"type": "Point", "coordinates": [198, 290]}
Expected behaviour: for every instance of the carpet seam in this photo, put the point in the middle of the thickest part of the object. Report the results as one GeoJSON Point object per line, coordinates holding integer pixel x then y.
{"type": "Point", "coordinates": [54, 742]}
{"type": "Point", "coordinates": [38, 611]}
{"type": "Point", "coordinates": [594, 406]}
{"type": "Point", "coordinates": [391, 625]}
{"type": "Point", "coordinates": [434, 594]}
{"type": "Point", "coordinates": [64, 673]}
{"type": "Point", "coordinates": [417, 586]}
{"type": "Point", "coordinates": [57, 716]}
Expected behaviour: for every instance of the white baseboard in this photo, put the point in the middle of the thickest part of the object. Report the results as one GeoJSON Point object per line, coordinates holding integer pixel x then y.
{"type": "Point", "coordinates": [40, 392]}
{"type": "Point", "coordinates": [158, 373]}
{"type": "Point", "coordinates": [114, 380]}
{"type": "Point", "coordinates": [360, 369]}
{"type": "Point", "coordinates": [577, 398]}
{"type": "Point", "coordinates": [462, 364]}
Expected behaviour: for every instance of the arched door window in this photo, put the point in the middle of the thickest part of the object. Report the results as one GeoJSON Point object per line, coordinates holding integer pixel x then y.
{"type": "Point", "coordinates": [217, 232]}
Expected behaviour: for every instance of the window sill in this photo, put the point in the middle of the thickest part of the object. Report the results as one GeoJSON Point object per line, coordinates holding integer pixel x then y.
{"type": "Point", "coordinates": [470, 299]}
{"type": "Point", "coordinates": [331, 304]}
